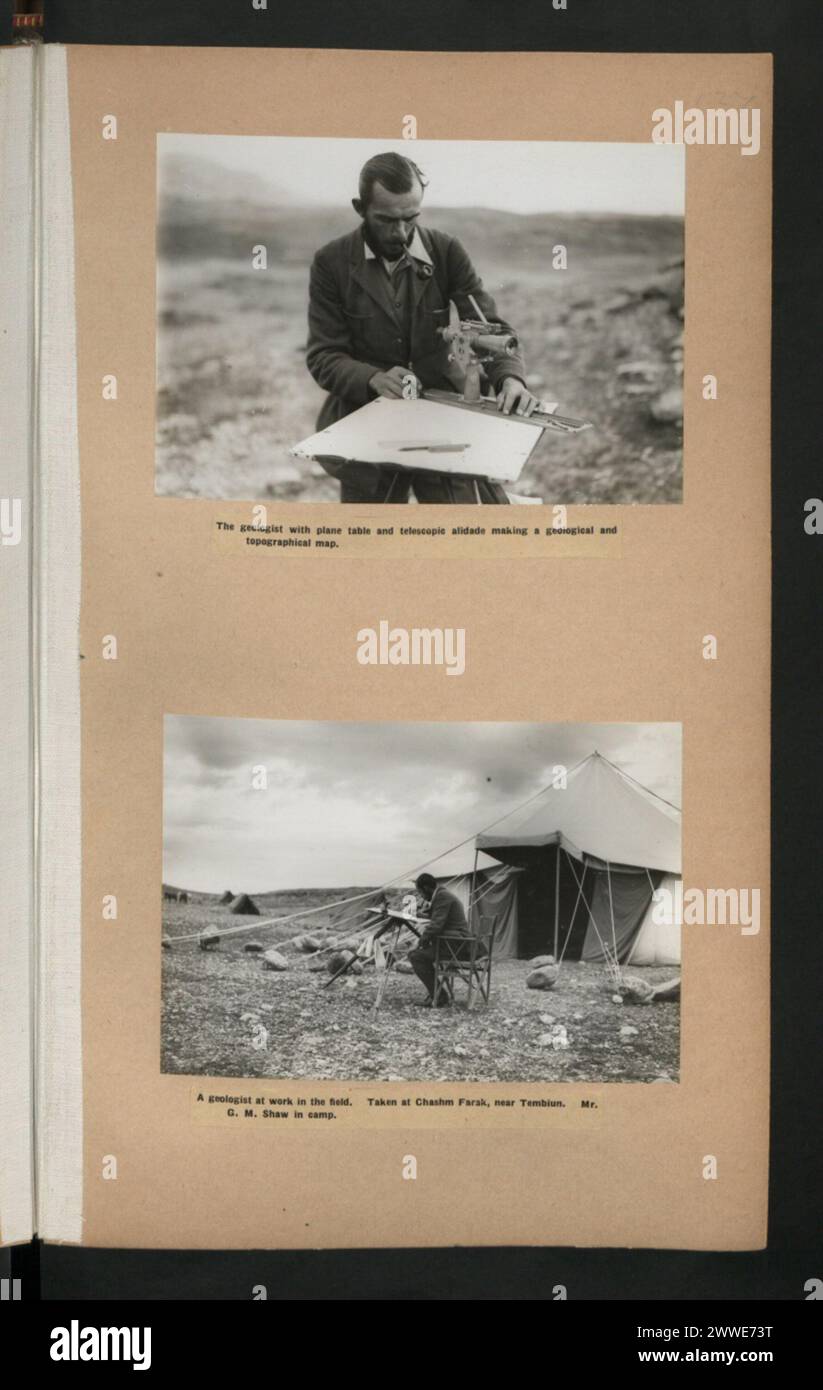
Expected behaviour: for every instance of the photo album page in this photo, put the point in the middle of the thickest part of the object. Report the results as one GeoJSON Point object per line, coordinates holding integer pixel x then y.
{"type": "Point", "coordinates": [413, 856]}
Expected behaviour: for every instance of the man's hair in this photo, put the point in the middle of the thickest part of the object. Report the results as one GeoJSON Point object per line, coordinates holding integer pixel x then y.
{"type": "Point", "coordinates": [396, 173]}
{"type": "Point", "coordinates": [426, 883]}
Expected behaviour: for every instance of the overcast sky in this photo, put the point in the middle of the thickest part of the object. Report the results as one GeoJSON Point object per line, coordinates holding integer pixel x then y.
{"type": "Point", "coordinates": [359, 804]}
{"type": "Point", "coordinates": [516, 176]}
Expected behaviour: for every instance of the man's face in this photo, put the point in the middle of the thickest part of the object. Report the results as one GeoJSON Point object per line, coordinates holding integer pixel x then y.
{"type": "Point", "coordinates": [390, 219]}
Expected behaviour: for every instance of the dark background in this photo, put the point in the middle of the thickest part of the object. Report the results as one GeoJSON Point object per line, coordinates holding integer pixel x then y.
{"type": "Point", "coordinates": [791, 30]}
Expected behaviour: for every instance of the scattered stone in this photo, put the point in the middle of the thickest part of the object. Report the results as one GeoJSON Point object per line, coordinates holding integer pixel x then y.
{"type": "Point", "coordinates": [253, 948]}
{"type": "Point", "coordinates": [617, 999]}
{"type": "Point", "coordinates": [337, 959]}
{"type": "Point", "coordinates": [272, 960]}
{"type": "Point", "coordinates": [667, 409]}
{"type": "Point", "coordinates": [638, 371]}
{"type": "Point", "coordinates": [308, 944]}
{"type": "Point", "coordinates": [546, 1019]}
{"type": "Point", "coordinates": [666, 991]}
{"type": "Point", "coordinates": [555, 337]}
{"type": "Point", "coordinates": [541, 960]}
{"type": "Point", "coordinates": [544, 978]}
{"type": "Point", "coordinates": [461, 1051]}
{"type": "Point", "coordinates": [628, 1032]}
{"type": "Point", "coordinates": [668, 286]}
{"type": "Point", "coordinates": [404, 967]}
{"type": "Point", "coordinates": [618, 303]}
{"type": "Point", "coordinates": [633, 990]}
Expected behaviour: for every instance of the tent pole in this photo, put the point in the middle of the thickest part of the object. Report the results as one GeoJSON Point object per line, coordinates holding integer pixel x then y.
{"type": "Point", "coordinates": [611, 909]}
{"type": "Point", "coordinates": [570, 927]}
{"type": "Point", "coordinates": [579, 883]}
{"type": "Point", "coordinates": [557, 900]}
{"type": "Point", "coordinates": [472, 893]}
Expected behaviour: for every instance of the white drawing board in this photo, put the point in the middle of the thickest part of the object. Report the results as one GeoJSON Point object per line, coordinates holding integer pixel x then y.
{"type": "Point", "coordinates": [426, 434]}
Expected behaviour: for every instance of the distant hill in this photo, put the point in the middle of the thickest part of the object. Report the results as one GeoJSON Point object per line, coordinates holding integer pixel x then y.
{"type": "Point", "coordinates": [193, 225]}
{"type": "Point", "coordinates": [277, 896]}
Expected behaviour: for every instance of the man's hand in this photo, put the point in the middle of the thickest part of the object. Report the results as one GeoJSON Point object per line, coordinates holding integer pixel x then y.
{"type": "Point", "coordinates": [514, 396]}
{"type": "Point", "coordinates": [390, 384]}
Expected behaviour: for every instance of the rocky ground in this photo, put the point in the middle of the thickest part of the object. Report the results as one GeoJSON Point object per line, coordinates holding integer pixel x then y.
{"type": "Point", "coordinates": [604, 339]}
{"type": "Point", "coordinates": [214, 1003]}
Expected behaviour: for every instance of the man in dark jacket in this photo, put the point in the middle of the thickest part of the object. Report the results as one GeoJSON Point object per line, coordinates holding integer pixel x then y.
{"type": "Point", "coordinates": [446, 917]}
{"type": "Point", "coordinates": [377, 298]}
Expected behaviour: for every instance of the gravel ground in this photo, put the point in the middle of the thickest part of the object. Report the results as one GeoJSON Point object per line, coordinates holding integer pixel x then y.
{"type": "Point", "coordinates": [214, 1003]}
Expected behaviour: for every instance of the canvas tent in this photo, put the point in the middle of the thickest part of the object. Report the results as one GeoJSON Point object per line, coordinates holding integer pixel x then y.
{"type": "Point", "coordinates": [657, 942]}
{"type": "Point", "coordinates": [244, 906]}
{"type": "Point", "coordinates": [576, 869]}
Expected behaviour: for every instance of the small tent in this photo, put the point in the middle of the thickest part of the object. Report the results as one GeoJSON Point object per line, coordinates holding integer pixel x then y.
{"type": "Point", "coordinates": [590, 852]}
{"type": "Point", "coordinates": [493, 891]}
{"type": "Point", "coordinates": [244, 906]}
{"type": "Point", "coordinates": [226, 898]}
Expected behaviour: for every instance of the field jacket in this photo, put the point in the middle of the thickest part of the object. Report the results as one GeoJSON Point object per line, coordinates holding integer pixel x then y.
{"type": "Point", "coordinates": [446, 915]}
{"type": "Point", "coordinates": [353, 331]}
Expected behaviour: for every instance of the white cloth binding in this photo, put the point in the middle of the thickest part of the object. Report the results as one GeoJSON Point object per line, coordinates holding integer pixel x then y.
{"type": "Point", "coordinates": [59, 1115]}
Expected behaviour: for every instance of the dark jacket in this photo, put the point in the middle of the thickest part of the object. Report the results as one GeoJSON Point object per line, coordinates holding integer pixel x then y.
{"type": "Point", "coordinates": [352, 334]}
{"type": "Point", "coordinates": [446, 915]}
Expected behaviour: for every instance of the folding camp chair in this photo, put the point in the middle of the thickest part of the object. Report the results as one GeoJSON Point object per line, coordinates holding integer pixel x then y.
{"type": "Point", "coordinates": [467, 958]}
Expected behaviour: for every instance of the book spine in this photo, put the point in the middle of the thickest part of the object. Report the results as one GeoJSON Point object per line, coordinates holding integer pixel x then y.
{"type": "Point", "coordinates": [59, 1095]}
{"type": "Point", "coordinates": [17, 290]}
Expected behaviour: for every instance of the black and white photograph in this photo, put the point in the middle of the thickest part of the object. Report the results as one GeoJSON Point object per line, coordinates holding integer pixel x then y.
{"type": "Point", "coordinates": [421, 901]}
{"type": "Point", "coordinates": [419, 321]}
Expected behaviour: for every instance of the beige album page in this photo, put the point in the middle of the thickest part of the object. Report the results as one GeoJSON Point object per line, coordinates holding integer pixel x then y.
{"type": "Point", "coordinates": [424, 466]}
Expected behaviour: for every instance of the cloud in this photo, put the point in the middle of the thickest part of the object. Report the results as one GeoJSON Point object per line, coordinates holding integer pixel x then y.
{"type": "Point", "coordinates": [362, 803]}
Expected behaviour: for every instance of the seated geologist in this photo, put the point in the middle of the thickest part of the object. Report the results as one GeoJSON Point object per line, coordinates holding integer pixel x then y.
{"type": "Point", "coordinates": [445, 917]}
{"type": "Point", "coordinates": [377, 298]}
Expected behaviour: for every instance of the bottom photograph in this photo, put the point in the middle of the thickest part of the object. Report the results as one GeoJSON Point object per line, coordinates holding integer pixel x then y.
{"type": "Point", "coordinates": [421, 901]}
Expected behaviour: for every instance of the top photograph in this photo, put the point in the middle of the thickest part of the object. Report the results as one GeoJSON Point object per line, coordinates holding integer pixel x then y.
{"type": "Point", "coordinates": [419, 321]}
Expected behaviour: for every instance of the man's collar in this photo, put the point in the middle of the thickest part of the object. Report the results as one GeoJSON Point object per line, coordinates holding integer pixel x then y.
{"type": "Point", "coordinates": [416, 249]}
